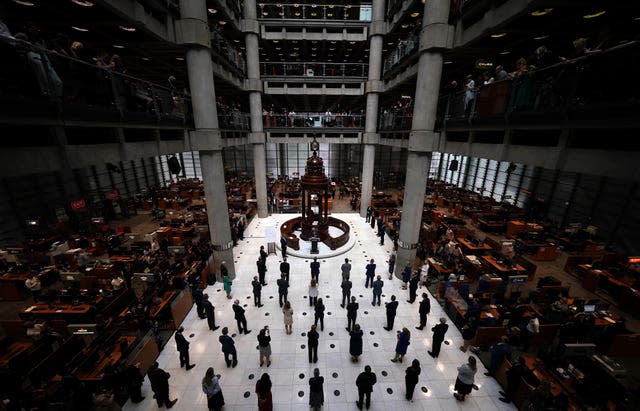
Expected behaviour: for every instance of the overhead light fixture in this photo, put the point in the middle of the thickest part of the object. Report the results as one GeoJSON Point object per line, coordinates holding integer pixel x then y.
{"type": "Point", "coordinates": [236, 41]}
{"type": "Point", "coordinates": [404, 26]}
{"type": "Point", "coordinates": [448, 62]}
{"type": "Point", "coordinates": [329, 14]}
{"type": "Point", "coordinates": [276, 41]}
{"type": "Point", "coordinates": [541, 12]}
{"type": "Point", "coordinates": [212, 10]}
{"type": "Point", "coordinates": [83, 3]}
{"type": "Point", "coordinates": [546, 36]}
{"type": "Point", "coordinates": [118, 46]}
{"type": "Point", "coordinates": [146, 58]}
{"type": "Point", "coordinates": [24, 3]}
{"type": "Point", "coordinates": [415, 14]}
{"type": "Point", "coordinates": [594, 15]}
{"type": "Point", "coordinates": [498, 35]}
{"type": "Point", "coordinates": [636, 19]}
{"type": "Point", "coordinates": [504, 53]}
{"type": "Point", "coordinates": [222, 22]}
{"type": "Point", "coordinates": [390, 43]}
{"type": "Point", "coordinates": [180, 58]}
{"type": "Point", "coordinates": [127, 29]}
{"type": "Point", "coordinates": [265, 13]}
{"type": "Point", "coordinates": [82, 29]}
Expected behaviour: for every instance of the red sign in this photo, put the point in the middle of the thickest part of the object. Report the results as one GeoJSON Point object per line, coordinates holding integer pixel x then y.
{"type": "Point", "coordinates": [78, 205]}
{"type": "Point", "coordinates": [113, 195]}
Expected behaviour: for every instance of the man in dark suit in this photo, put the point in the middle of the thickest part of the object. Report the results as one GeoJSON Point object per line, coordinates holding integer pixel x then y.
{"type": "Point", "coordinates": [240, 318]}
{"type": "Point", "coordinates": [257, 292]}
{"type": "Point", "coordinates": [263, 254]}
{"type": "Point", "coordinates": [210, 312]}
{"type": "Point", "coordinates": [262, 270]}
{"type": "Point", "coordinates": [423, 310]}
{"type": "Point", "coordinates": [391, 312]}
{"type": "Point", "coordinates": [312, 342]}
{"type": "Point", "coordinates": [182, 345]}
{"type": "Point", "coordinates": [283, 289]}
{"type": "Point", "coordinates": [284, 268]}
{"type": "Point", "coordinates": [315, 269]}
{"type": "Point", "coordinates": [365, 382]}
{"type": "Point", "coordinates": [346, 269]}
{"type": "Point", "coordinates": [439, 331]}
{"type": "Point", "coordinates": [413, 287]}
{"type": "Point", "coordinates": [283, 246]}
{"type": "Point", "coordinates": [370, 273]}
{"type": "Point", "coordinates": [346, 290]}
{"type": "Point", "coordinates": [198, 298]}
{"type": "Point", "coordinates": [228, 348]}
{"type": "Point", "coordinates": [352, 313]}
{"type": "Point", "coordinates": [377, 290]}
{"type": "Point", "coordinates": [159, 380]}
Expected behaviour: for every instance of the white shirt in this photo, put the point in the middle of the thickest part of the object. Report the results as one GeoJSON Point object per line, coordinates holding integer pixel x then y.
{"type": "Point", "coordinates": [533, 326]}
{"type": "Point", "coordinates": [33, 284]}
{"type": "Point", "coordinates": [313, 291]}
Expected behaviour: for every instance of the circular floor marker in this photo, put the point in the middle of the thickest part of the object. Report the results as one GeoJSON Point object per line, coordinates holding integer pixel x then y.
{"type": "Point", "coordinates": [266, 314]}
{"type": "Point", "coordinates": [233, 335]}
{"type": "Point", "coordinates": [218, 290]}
{"type": "Point", "coordinates": [336, 393]}
{"type": "Point", "coordinates": [360, 295]}
{"type": "Point", "coordinates": [247, 394]}
{"type": "Point", "coordinates": [244, 305]}
{"type": "Point", "coordinates": [301, 376]}
{"type": "Point", "coordinates": [191, 335]}
{"type": "Point", "coordinates": [300, 394]}
{"type": "Point", "coordinates": [447, 343]}
{"type": "Point", "coordinates": [389, 391]}
{"type": "Point", "coordinates": [384, 373]}
{"type": "Point", "coordinates": [303, 346]}
{"type": "Point", "coordinates": [270, 297]}
{"type": "Point", "coordinates": [366, 312]}
{"type": "Point", "coordinates": [248, 297]}
{"type": "Point", "coordinates": [332, 345]}
{"type": "Point", "coordinates": [375, 344]}
{"type": "Point", "coordinates": [304, 313]}
{"type": "Point", "coordinates": [331, 334]}
{"type": "Point", "coordinates": [371, 332]}
{"type": "Point", "coordinates": [328, 312]}
{"type": "Point", "coordinates": [424, 389]}
{"type": "Point", "coordinates": [251, 376]}
{"type": "Point", "coordinates": [304, 334]}
{"type": "Point", "coordinates": [327, 296]}
{"type": "Point", "coordinates": [334, 375]}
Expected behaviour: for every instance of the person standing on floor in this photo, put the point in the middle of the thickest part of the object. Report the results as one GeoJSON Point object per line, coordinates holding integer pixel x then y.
{"type": "Point", "coordinates": [355, 343]}
{"type": "Point", "coordinates": [365, 382]}
{"type": "Point", "coordinates": [377, 290]}
{"type": "Point", "coordinates": [499, 351]}
{"type": "Point", "coordinates": [257, 292]}
{"type": "Point", "coordinates": [346, 290]}
{"type": "Point", "coordinates": [406, 275]}
{"type": "Point", "coordinates": [241, 320]}
{"type": "Point", "coordinates": [228, 348]}
{"type": "Point", "coordinates": [198, 298]}
{"type": "Point", "coordinates": [373, 220]}
{"type": "Point", "coordinates": [439, 330]}
{"type": "Point", "coordinates": [210, 312]}
{"type": "Point", "coordinates": [381, 234]}
{"type": "Point", "coordinates": [346, 269]}
{"type": "Point", "coordinates": [319, 313]}
{"type": "Point", "coordinates": [263, 390]}
{"type": "Point", "coordinates": [133, 380]}
{"type": "Point", "coordinates": [313, 293]}
{"type": "Point", "coordinates": [285, 268]}
{"type": "Point", "coordinates": [411, 378]}
{"type": "Point", "coordinates": [391, 308]}
{"type": "Point", "coordinates": [182, 345]}
{"type": "Point", "coordinates": [352, 313]}
{"type": "Point", "coordinates": [262, 270]}
{"type": "Point", "coordinates": [423, 310]}
{"type": "Point", "coordinates": [370, 273]}
{"type": "Point", "coordinates": [213, 391]}
{"type": "Point", "coordinates": [264, 346]}
{"type": "Point", "coordinates": [224, 271]}
{"type": "Point", "coordinates": [465, 380]}
{"type": "Point", "coordinates": [404, 338]}
{"type": "Point", "coordinates": [288, 317]}
{"type": "Point", "coordinates": [468, 333]}
{"type": "Point", "coordinates": [159, 380]}
{"type": "Point", "coordinates": [369, 212]}
{"type": "Point", "coordinates": [315, 269]}
{"type": "Point", "coordinates": [312, 343]}
{"type": "Point", "coordinates": [413, 287]}
{"type": "Point", "coordinates": [283, 246]}
{"type": "Point", "coordinates": [392, 265]}
{"type": "Point", "coordinates": [316, 392]}
{"type": "Point", "coordinates": [263, 254]}
{"type": "Point", "coordinates": [283, 289]}
{"type": "Point", "coordinates": [226, 281]}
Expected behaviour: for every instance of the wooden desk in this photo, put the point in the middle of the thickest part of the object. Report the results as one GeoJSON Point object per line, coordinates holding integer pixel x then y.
{"type": "Point", "coordinates": [15, 350]}
{"type": "Point", "coordinates": [105, 359]}
{"type": "Point", "coordinates": [501, 267]}
{"type": "Point", "coordinates": [64, 312]}
{"type": "Point", "coordinates": [166, 298]}
{"type": "Point", "coordinates": [471, 248]}
{"type": "Point", "coordinates": [438, 266]}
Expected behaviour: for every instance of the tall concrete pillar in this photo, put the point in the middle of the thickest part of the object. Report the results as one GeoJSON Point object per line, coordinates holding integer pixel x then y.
{"type": "Point", "coordinates": [436, 35]}
{"type": "Point", "coordinates": [257, 137]}
{"type": "Point", "coordinates": [194, 32]}
{"type": "Point", "coordinates": [372, 89]}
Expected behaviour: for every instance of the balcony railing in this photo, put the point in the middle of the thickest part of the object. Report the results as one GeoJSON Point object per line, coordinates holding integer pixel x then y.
{"type": "Point", "coordinates": [314, 120]}
{"type": "Point", "coordinates": [234, 121]}
{"type": "Point", "coordinates": [361, 12]}
{"type": "Point", "coordinates": [56, 86]}
{"type": "Point", "coordinates": [311, 69]}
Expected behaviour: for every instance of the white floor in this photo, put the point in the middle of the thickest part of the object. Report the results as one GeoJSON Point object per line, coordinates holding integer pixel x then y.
{"type": "Point", "coordinates": [289, 359]}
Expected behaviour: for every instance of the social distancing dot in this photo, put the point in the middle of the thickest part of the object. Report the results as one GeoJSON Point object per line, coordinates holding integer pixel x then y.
{"type": "Point", "coordinates": [251, 376]}
{"type": "Point", "coordinates": [389, 391]}
{"type": "Point", "coordinates": [300, 394]}
{"type": "Point", "coordinates": [247, 394]}
{"type": "Point", "coordinates": [371, 332]}
{"type": "Point", "coordinates": [384, 373]}
{"type": "Point", "coordinates": [191, 335]}
{"type": "Point", "coordinates": [301, 376]}
{"type": "Point", "coordinates": [375, 344]}
{"type": "Point", "coordinates": [331, 333]}
{"type": "Point", "coordinates": [336, 393]}
{"type": "Point", "coordinates": [303, 346]}
{"type": "Point", "coordinates": [424, 389]}
{"type": "Point", "coordinates": [334, 375]}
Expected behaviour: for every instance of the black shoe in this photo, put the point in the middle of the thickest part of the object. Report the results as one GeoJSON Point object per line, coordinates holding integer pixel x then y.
{"type": "Point", "coordinates": [348, 330]}
{"type": "Point", "coordinates": [488, 374]}
{"type": "Point", "coordinates": [358, 405]}
{"type": "Point", "coordinates": [431, 354]}
{"type": "Point", "coordinates": [342, 305]}
{"type": "Point", "coordinates": [420, 328]}
{"type": "Point", "coordinates": [234, 364]}
{"type": "Point", "coordinates": [260, 305]}
{"type": "Point", "coordinates": [190, 366]}
{"type": "Point", "coordinates": [215, 328]}
{"type": "Point", "coordinates": [387, 328]}
{"type": "Point", "coordinates": [268, 363]}
{"type": "Point", "coordinates": [506, 400]}
{"type": "Point", "coordinates": [246, 332]}
{"type": "Point", "coordinates": [171, 403]}
{"type": "Point", "coordinates": [504, 394]}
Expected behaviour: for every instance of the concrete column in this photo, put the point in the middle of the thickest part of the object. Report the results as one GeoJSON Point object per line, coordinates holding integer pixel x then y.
{"type": "Point", "coordinates": [254, 85]}
{"type": "Point", "coordinates": [207, 136]}
{"type": "Point", "coordinates": [422, 139]}
{"type": "Point", "coordinates": [373, 88]}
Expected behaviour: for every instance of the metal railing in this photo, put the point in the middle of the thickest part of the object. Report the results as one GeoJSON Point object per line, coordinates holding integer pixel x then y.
{"type": "Point", "coordinates": [361, 12]}
{"type": "Point", "coordinates": [403, 49]}
{"type": "Point", "coordinates": [313, 120]}
{"type": "Point", "coordinates": [311, 69]}
{"type": "Point", "coordinates": [236, 120]}
{"type": "Point", "coordinates": [390, 120]}
{"type": "Point", "coordinates": [228, 51]}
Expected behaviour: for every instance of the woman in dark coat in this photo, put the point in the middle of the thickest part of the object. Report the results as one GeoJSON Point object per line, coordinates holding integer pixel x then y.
{"type": "Point", "coordinates": [402, 345]}
{"type": "Point", "coordinates": [263, 389]}
{"type": "Point", "coordinates": [411, 378]}
{"type": "Point", "coordinates": [355, 344]}
{"type": "Point", "coordinates": [316, 393]}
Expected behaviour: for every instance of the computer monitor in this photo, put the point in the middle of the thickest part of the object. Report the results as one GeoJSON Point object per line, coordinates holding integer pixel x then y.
{"type": "Point", "coordinates": [589, 308]}
{"type": "Point", "coordinates": [86, 332]}
{"type": "Point", "coordinates": [71, 276]}
{"type": "Point", "coordinates": [573, 350]}
{"type": "Point", "coordinates": [144, 277]}
{"type": "Point", "coordinates": [176, 249]}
